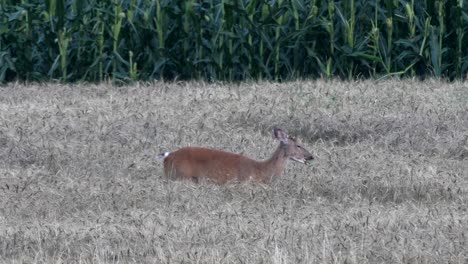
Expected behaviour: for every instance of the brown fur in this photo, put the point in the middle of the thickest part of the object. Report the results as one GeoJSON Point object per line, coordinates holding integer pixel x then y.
{"type": "Point", "coordinates": [219, 166]}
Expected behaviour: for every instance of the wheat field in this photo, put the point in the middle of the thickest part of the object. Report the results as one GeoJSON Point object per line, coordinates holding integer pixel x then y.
{"type": "Point", "coordinates": [80, 181]}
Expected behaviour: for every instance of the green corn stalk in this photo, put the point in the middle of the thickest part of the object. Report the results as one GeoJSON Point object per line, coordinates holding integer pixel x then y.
{"type": "Point", "coordinates": [51, 7]}
{"type": "Point", "coordinates": [349, 26]}
{"type": "Point", "coordinates": [63, 40]}
{"type": "Point", "coordinates": [28, 22]}
{"type": "Point", "coordinates": [100, 41]}
{"type": "Point", "coordinates": [389, 24]}
{"type": "Point", "coordinates": [131, 11]}
{"type": "Point", "coordinates": [199, 51]}
{"type": "Point", "coordinates": [295, 12]}
{"type": "Point", "coordinates": [187, 27]}
{"type": "Point", "coordinates": [82, 29]}
{"type": "Point", "coordinates": [331, 33]}
{"type": "Point", "coordinates": [264, 15]}
{"type": "Point", "coordinates": [56, 8]}
{"type": "Point", "coordinates": [97, 30]}
{"type": "Point", "coordinates": [279, 26]}
{"type": "Point", "coordinates": [221, 42]}
{"type": "Point", "coordinates": [436, 40]}
{"type": "Point", "coordinates": [211, 41]}
{"type": "Point", "coordinates": [188, 10]}
{"type": "Point", "coordinates": [427, 32]}
{"type": "Point", "coordinates": [441, 16]}
{"type": "Point", "coordinates": [409, 8]}
{"type": "Point", "coordinates": [133, 67]}
{"type": "Point", "coordinates": [77, 7]}
{"type": "Point", "coordinates": [118, 17]}
{"type": "Point", "coordinates": [146, 13]}
{"type": "Point", "coordinates": [374, 40]}
{"type": "Point", "coordinates": [375, 37]}
{"type": "Point", "coordinates": [390, 6]}
{"type": "Point", "coordinates": [331, 25]}
{"type": "Point", "coordinates": [329, 69]}
{"type": "Point", "coordinates": [460, 34]}
{"type": "Point", "coordinates": [158, 22]}
{"type": "Point", "coordinates": [198, 47]}
{"type": "Point", "coordinates": [250, 10]}
{"type": "Point", "coordinates": [230, 43]}
{"type": "Point", "coordinates": [434, 44]}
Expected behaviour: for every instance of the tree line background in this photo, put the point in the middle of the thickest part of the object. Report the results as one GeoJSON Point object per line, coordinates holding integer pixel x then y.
{"type": "Point", "coordinates": [127, 40]}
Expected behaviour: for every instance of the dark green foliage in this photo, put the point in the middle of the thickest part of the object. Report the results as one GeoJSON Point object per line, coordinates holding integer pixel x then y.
{"type": "Point", "coordinates": [125, 40]}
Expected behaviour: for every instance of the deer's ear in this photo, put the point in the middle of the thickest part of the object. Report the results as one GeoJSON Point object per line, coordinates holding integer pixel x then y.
{"type": "Point", "coordinates": [280, 135]}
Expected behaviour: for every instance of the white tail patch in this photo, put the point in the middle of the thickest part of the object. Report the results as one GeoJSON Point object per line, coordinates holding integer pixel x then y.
{"type": "Point", "coordinates": [163, 155]}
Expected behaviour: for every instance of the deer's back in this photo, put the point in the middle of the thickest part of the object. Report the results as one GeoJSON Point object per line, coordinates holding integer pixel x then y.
{"type": "Point", "coordinates": [220, 166]}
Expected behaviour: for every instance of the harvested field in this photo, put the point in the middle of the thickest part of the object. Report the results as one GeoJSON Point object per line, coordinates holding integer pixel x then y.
{"type": "Point", "coordinates": [80, 182]}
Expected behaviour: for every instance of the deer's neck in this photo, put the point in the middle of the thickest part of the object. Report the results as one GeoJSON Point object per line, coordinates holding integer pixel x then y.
{"type": "Point", "coordinates": [275, 165]}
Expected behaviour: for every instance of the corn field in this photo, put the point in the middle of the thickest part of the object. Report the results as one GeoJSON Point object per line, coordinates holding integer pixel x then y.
{"type": "Point", "coordinates": [129, 40]}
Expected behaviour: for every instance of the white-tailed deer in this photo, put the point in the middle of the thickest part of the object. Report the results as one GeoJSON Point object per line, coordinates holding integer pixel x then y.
{"type": "Point", "coordinates": [220, 166]}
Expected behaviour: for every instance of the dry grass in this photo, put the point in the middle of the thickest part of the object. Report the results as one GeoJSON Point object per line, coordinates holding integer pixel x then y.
{"type": "Point", "coordinates": [79, 182]}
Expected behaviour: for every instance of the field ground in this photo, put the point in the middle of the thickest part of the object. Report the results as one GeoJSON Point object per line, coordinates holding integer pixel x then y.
{"type": "Point", "coordinates": [79, 181]}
